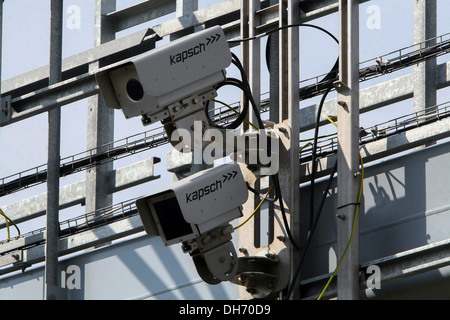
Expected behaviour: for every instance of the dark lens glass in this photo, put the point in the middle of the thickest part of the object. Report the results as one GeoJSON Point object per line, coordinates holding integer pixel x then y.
{"type": "Point", "coordinates": [135, 90]}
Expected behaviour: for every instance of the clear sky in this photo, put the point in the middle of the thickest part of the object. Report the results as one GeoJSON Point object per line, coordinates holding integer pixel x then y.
{"type": "Point", "coordinates": [385, 26]}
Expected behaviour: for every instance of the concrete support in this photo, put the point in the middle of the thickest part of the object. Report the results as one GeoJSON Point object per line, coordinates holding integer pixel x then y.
{"type": "Point", "coordinates": [100, 118]}
{"type": "Point", "coordinates": [348, 149]}
{"type": "Point", "coordinates": [54, 141]}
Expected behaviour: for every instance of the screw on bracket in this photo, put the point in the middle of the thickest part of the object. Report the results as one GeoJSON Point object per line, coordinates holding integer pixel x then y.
{"type": "Point", "coordinates": [340, 216]}
{"type": "Point", "coordinates": [342, 103]}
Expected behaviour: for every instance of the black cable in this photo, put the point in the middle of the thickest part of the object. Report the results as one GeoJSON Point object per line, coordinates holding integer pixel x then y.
{"type": "Point", "coordinates": [245, 87]}
{"type": "Point", "coordinates": [313, 222]}
{"type": "Point", "coordinates": [238, 121]}
{"type": "Point", "coordinates": [282, 28]}
{"type": "Point", "coordinates": [311, 232]}
{"type": "Point", "coordinates": [275, 176]}
{"type": "Point", "coordinates": [260, 195]}
{"type": "Point", "coordinates": [313, 157]}
{"type": "Point", "coordinates": [248, 98]}
{"type": "Point", "coordinates": [331, 75]}
{"type": "Point", "coordinates": [283, 212]}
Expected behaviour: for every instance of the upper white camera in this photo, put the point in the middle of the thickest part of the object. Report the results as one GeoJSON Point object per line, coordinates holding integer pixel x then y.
{"type": "Point", "coordinates": [170, 82]}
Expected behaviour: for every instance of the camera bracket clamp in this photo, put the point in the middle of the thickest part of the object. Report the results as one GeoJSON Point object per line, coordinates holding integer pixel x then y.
{"type": "Point", "coordinates": [214, 255]}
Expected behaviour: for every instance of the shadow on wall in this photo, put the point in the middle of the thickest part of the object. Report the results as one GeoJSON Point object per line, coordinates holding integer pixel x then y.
{"type": "Point", "coordinates": [404, 205]}
{"type": "Point", "coordinates": [141, 268]}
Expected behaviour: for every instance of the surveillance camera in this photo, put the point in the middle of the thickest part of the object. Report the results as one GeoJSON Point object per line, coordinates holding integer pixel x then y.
{"type": "Point", "coordinates": [170, 82]}
{"type": "Point", "coordinates": [194, 205]}
{"type": "Point", "coordinates": [196, 212]}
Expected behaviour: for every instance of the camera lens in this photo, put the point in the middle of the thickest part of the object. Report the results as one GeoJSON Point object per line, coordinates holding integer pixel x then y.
{"type": "Point", "coordinates": [135, 90]}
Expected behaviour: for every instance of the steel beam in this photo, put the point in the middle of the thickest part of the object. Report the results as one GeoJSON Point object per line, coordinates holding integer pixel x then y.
{"type": "Point", "coordinates": [225, 13]}
{"type": "Point", "coordinates": [289, 112]}
{"type": "Point", "coordinates": [425, 84]}
{"type": "Point", "coordinates": [78, 64]}
{"type": "Point", "coordinates": [425, 25]}
{"type": "Point", "coordinates": [100, 118]}
{"type": "Point", "coordinates": [140, 13]}
{"type": "Point", "coordinates": [77, 242]}
{"type": "Point", "coordinates": [75, 193]}
{"type": "Point", "coordinates": [392, 268]}
{"type": "Point", "coordinates": [387, 146]}
{"type": "Point", "coordinates": [53, 164]}
{"type": "Point", "coordinates": [31, 95]}
{"type": "Point", "coordinates": [348, 148]}
{"type": "Point", "coordinates": [250, 58]}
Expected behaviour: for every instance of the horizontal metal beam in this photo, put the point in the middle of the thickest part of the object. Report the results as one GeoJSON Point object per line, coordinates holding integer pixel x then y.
{"type": "Point", "coordinates": [226, 13]}
{"type": "Point", "coordinates": [75, 193]}
{"type": "Point", "coordinates": [140, 13]}
{"type": "Point", "coordinates": [77, 64]}
{"type": "Point", "coordinates": [404, 264]}
{"type": "Point", "coordinates": [223, 13]}
{"type": "Point", "coordinates": [31, 94]}
{"type": "Point", "coordinates": [371, 98]}
{"type": "Point", "coordinates": [387, 146]}
{"type": "Point", "coordinates": [76, 242]}
{"type": "Point", "coordinates": [312, 9]}
{"type": "Point", "coordinates": [51, 97]}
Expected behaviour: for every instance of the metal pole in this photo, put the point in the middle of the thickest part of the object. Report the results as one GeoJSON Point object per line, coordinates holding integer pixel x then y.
{"type": "Point", "coordinates": [289, 113]}
{"type": "Point", "coordinates": [1, 40]}
{"type": "Point", "coordinates": [348, 149]}
{"type": "Point", "coordinates": [1, 50]}
{"type": "Point", "coordinates": [425, 24]}
{"type": "Point", "coordinates": [248, 52]}
{"type": "Point", "coordinates": [254, 74]}
{"type": "Point", "coordinates": [54, 135]}
{"type": "Point", "coordinates": [100, 128]}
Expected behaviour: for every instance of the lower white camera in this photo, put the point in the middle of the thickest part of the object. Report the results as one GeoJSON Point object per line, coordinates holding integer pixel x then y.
{"type": "Point", "coordinates": [196, 212]}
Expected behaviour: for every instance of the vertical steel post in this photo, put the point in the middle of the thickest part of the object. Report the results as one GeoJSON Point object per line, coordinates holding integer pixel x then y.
{"type": "Point", "coordinates": [254, 63]}
{"type": "Point", "coordinates": [348, 150]}
{"type": "Point", "coordinates": [248, 52]}
{"type": "Point", "coordinates": [100, 127]}
{"type": "Point", "coordinates": [185, 10]}
{"type": "Point", "coordinates": [1, 43]}
{"type": "Point", "coordinates": [289, 113]}
{"type": "Point", "coordinates": [54, 137]}
{"type": "Point", "coordinates": [1, 49]}
{"type": "Point", "coordinates": [425, 24]}
{"type": "Point", "coordinates": [245, 46]}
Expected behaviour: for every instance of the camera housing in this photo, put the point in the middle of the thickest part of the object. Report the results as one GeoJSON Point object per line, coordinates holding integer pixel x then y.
{"type": "Point", "coordinates": [195, 205]}
{"type": "Point", "coordinates": [159, 84]}
{"type": "Point", "coordinates": [196, 212]}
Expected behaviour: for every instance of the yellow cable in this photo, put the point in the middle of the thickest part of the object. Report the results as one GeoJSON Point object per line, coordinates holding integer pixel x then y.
{"type": "Point", "coordinates": [7, 224]}
{"type": "Point", "coordinates": [256, 209]}
{"type": "Point", "coordinates": [329, 119]}
{"type": "Point", "coordinates": [325, 136]}
{"type": "Point", "coordinates": [234, 110]}
{"type": "Point", "coordinates": [353, 227]}
{"type": "Point", "coordinates": [8, 220]}
{"type": "Point", "coordinates": [308, 144]}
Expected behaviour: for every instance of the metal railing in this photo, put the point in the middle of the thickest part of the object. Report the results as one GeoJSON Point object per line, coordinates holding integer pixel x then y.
{"type": "Point", "coordinates": [382, 130]}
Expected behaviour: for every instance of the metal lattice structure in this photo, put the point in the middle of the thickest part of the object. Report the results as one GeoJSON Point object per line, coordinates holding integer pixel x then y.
{"type": "Point", "coordinates": [64, 81]}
